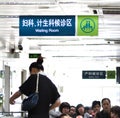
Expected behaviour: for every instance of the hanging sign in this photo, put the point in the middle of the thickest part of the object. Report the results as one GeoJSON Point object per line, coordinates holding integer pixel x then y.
{"type": "Point", "coordinates": [47, 25]}
{"type": "Point", "coordinates": [93, 74]}
{"type": "Point", "coordinates": [87, 25]}
{"type": "Point", "coordinates": [34, 55]}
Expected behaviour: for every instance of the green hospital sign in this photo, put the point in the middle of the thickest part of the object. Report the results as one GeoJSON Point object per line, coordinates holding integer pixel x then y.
{"type": "Point", "coordinates": [87, 25]}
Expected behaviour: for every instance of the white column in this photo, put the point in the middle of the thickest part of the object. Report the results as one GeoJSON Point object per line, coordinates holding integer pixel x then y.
{"type": "Point", "coordinates": [7, 89]}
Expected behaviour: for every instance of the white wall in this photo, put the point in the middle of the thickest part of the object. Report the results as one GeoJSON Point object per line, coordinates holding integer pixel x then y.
{"type": "Point", "coordinates": [67, 74]}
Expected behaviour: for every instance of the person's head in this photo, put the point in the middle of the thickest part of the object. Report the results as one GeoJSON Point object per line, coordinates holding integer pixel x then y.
{"type": "Point", "coordinates": [106, 104]}
{"type": "Point", "coordinates": [63, 115]}
{"type": "Point", "coordinates": [88, 110]}
{"type": "Point", "coordinates": [80, 110]}
{"type": "Point", "coordinates": [72, 110]}
{"type": "Point", "coordinates": [96, 106]}
{"type": "Point", "coordinates": [115, 112]}
{"type": "Point", "coordinates": [64, 107]}
{"type": "Point", "coordinates": [34, 68]}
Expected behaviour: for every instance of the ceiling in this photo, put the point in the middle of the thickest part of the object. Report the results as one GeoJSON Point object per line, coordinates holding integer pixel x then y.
{"type": "Point", "coordinates": [106, 45]}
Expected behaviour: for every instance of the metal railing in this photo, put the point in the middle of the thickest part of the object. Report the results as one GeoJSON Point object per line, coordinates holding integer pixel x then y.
{"type": "Point", "coordinates": [21, 114]}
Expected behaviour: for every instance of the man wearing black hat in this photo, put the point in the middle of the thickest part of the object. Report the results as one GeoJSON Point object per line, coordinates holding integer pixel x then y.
{"type": "Point", "coordinates": [48, 93]}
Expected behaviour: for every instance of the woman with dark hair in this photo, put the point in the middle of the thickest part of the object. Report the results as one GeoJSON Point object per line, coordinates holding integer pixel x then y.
{"type": "Point", "coordinates": [49, 97]}
{"type": "Point", "coordinates": [72, 111]}
{"type": "Point", "coordinates": [64, 108]}
{"type": "Point", "coordinates": [80, 110]}
{"type": "Point", "coordinates": [37, 66]}
{"type": "Point", "coordinates": [115, 112]}
{"type": "Point", "coordinates": [96, 106]}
